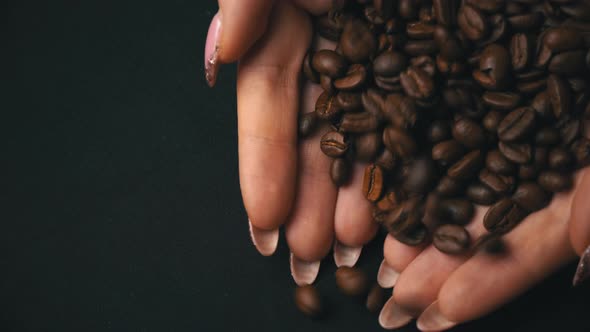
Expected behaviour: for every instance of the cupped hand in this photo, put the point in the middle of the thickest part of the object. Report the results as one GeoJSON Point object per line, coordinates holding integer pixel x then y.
{"type": "Point", "coordinates": [283, 180]}
{"type": "Point", "coordinates": [442, 291]}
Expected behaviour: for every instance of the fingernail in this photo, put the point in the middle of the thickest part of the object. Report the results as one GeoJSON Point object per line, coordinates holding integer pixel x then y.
{"type": "Point", "coordinates": [393, 316]}
{"type": "Point", "coordinates": [264, 241]}
{"type": "Point", "coordinates": [386, 277]}
{"type": "Point", "coordinates": [304, 273]}
{"type": "Point", "coordinates": [433, 320]}
{"type": "Point", "coordinates": [583, 270]}
{"type": "Point", "coordinates": [211, 48]}
{"type": "Point", "coordinates": [345, 255]}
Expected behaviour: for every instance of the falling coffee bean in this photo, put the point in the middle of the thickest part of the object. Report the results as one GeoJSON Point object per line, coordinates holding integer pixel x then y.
{"type": "Point", "coordinates": [351, 281]}
{"type": "Point", "coordinates": [308, 301]}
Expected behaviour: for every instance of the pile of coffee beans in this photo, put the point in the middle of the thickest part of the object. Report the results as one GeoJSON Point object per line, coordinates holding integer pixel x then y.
{"type": "Point", "coordinates": [451, 104]}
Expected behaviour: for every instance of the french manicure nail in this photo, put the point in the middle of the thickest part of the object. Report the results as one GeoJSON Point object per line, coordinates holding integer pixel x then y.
{"type": "Point", "coordinates": [583, 270]}
{"type": "Point", "coordinates": [345, 255]}
{"type": "Point", "coordinates": [211, 50]}
{"type": "Point", "coordinates": [386, 277]}
{"type": "Point", "coordinates": [432, 320]}
{"type": "Point", "coordinates": [264, 241]}
{"type": "Point", "coordinates": [393, 316]}
{"type": "Point", "coordinates": [304, 273]}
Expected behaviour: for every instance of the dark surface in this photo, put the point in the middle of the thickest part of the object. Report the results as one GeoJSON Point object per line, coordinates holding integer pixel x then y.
{"type": "Point", "coordinates": [122, 208]}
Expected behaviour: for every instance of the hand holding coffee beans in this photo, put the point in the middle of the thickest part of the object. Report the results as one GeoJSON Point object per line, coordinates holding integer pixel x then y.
{"type": "Point", "coordinates": [451, 103]}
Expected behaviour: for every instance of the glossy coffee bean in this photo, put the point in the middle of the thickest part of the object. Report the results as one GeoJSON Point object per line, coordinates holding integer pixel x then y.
{"type": "Point", "coordinates": [494, 68]}
{"type": "Point", "coordinates": [503, 216]}
{"type": "Point", "coordinates": [501, 100]}
{"type": "Point", "coordinates": [414, 237]}
{"type": "Point", "coordinates": [417, 83]}
{"type": "Point", "coordinates": [340, 171]}
{"type": "Point", "coordinates": [467, 167]}
{"type": "Point", "coordinates": [480, 194]}
{"type": "Point", "coordinates": [353, 80]}
{"type": "Point", "coordinates": [497, 163]}
{"type": "Point", "coordinates": [517, 124]}
{"type": "Point", "coordinates": [308, 301]}
{"type": "Point", "coordinates": [357, 42]}
{"type": "Point", "coordinates": [333, 144]}
{"type": "Point", "coordinates": [326, 107]}
{"type": "Point", "coordinates": [472, 22]}
{"type": "Point", "coordinates": [451, 239]}
{"type": "Point", "coordinates": [456, 211]}
{"type": "Point", "coordinates": [448, 152]}
{"type": "Point", "coordinates": [399, 142]}
{"type": "Point", "coordinates": [519, 153]}
{"type": "Point", "coordinates": [557, 40]}
{"type": "Point", "coordinates": [559, 94]}
{"type": "Point", "coordinates": [389, 64]}
{"type": "Point", "coordinates": [373, 182]}
{"type": "Point", "coordinates": [531, 197]}
{"type": "Point", "coordinates": [521, 51]}
{"type": "Point", "coordinates": [307, 124]}
{"type": "Point", "coordinates": [375, 299]}
{"type": "Point", "coordinates": [469, 133]}
{"type": "Point", "coordinates": [361, 122]}
{"type": "Point", "coordinates": [329, 63]}
{"type": "Point", "coordinates": [553, 181]}
{"type": "Point", "coordinates": [560, 159]}
{"type": "Point", "coordinates": [351, 281]}
{"type": "Point", "coordinates": [500, 184]}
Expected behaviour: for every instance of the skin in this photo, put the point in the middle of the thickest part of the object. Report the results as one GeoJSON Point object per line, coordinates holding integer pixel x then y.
{"type": "Point", "coordinates": [284, 182]}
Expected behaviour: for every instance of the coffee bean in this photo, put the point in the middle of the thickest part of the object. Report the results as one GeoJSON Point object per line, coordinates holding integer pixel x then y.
{"type": "Point", "coordinates": [333, 144]}
{"type": "Point", "coordinates": [445, 11]}
{"type": "Point", "coordinates": [385, 8]}
{"type": "Point", "coordinates": [547, 136]}
{"type": "Point", "coordinates": [503, 216]}
{"type": "Point", "coordinates": [500, 184]}
{"type": "Point", "coordinates": [327, 83]}
{"type": "Point", "coordinates": [469, 133]}
{"type": "Point", "coordinates": [357, 42]}
{"type": "Point", "coordinates": [466, 167]}
{"type": "Point", "coordinates": [372, 102]}
{"type": "Point", "coordinates": [492, 120]}
{"type": "Point", "coordinates": [560, 159]}
{"type": "Point", "coordinates": [480, 194]}
{"type": "Point", "coordinates": [494, 68]}
{"type": "Point", "coordinates": [581, 150]}
{"type": "Point", "coordinates": [569, 131]}
{"type": "Point", "coordinates": [421, 176]}
{"type": "Point", "coordinates": [414, 237]}
{"type": "Point", "coordinates": [419, 30]}
{"type": "Point", "coordinates": [542, 106]}
{"type": "Point", "coordinates": [400, 110]}
{"type": "Point", "coordinates": [530, 21]}
{"type": "Point", "coordinates": [447, 152]}
{"type": "Point", "coordinates": [399, 142]}
{"type": "Point", "coordinates": [517, 124]}
{"type": "Point", "coordinates": [499, 27]}
{"type": "Point", "coordinates": [456, 211]}
{"type": "Point", "coordinates": [389, 64]}
{"type": "Point", "coordinates": [520, 153]}
{"type": "Point", "coordinates": [358, 122]}
{"type": "Point", "coordinates": [555, 181]}
{"type": "Point", "coordinates": [426, 63]}
{"type": "Point", "coordinates": [521, 51]}
{"type": "Point", "coordinates": [451, 239]}
{"type": "Point", "coordinates": [559, 95]}
{"type": "Point", "coordinates": [325, 107]}
{"type": "Point", "coordinates": [340, 171]}
{"type": "Point", "coordinates": [531, 197]}
{"type": "Point", "coordinates": [329, 63]}
{"type": "Point", "coordinates": [472, 22]}
{"type": "Point", "coordinates": [308, 301]}
{"type": "Point", "coordinates": [405, 217]}
{"type": "Point", "coordinates": [501, 100]}
{"type": "Point", "coordinates": [568, 63]}
{"type": "Point", "coordinates": [490, 243]}
{"type": "Point", "coordinates": [417, 83]}
{"type": "Point", "coordinates": [373, 182]}
{"type": "Point", "coordinates": [497, 163]}
{"type": "Point", "coordinates": [354, 79]}
{"type": "Point", "coordinates": [307, 123]}
{"type": "Point", "coordinates": [367, 146]}
{"type": "Point", "coordinates": [528, 172]}
{"type": "Point", "coordinates": [448, 187]}
{"type": "Point", "coordinates": [351, 281]}
{"type": "Point", "coordinates": [348, 101]}
{"type": "Point", "coordinates": [330, 25]}
{"type": "Point", "coordinates": [386, 160]}
{"type": "Point", "coordinates": [375, 299]}
{"type": "Point", "coordinates": [490, 6]}
{"type": "Point", "coordinates": [308, 70]}
{"type": "Point", "coordinates": [557, 40]}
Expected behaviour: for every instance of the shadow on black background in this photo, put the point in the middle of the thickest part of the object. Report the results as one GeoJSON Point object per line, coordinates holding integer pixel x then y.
{"type": "Point", "coordinates": [123, 209]}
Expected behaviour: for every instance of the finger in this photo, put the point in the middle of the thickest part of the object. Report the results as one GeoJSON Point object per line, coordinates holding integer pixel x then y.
{"type": "Point", "coordinates": [536, 248]}
{"type": "Point", "coordinates": [233, 30]}
{"type": "Point", "coordinates": [310, 228]}
{"type": "Point", "coordinates": [397, 256]}
{"type": "Point", "coordinates": [353, 221]}
{"type": "Point", "coordinates": [579, 230]}
{"type": "Point", "coordinates": [268, 101]}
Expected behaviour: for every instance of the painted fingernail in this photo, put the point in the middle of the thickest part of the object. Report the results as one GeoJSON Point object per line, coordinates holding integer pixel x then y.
{"type": "Point", "coordinates": [432, 320]}
{"type": "Point", "coordinates": [583, 270]}
{"type": "Point", "coordinates": [386, 277]}
{"type": "Point", "coordinates": [393, 316]}
{"type": "Point", "coordinates": [345, 255]}
{"type": "Point", "coordinates": [304, 273]}
{"type": "Point", "coordinates": [264, 241]}
{"type": "Point", "coordinates": [211, 50]}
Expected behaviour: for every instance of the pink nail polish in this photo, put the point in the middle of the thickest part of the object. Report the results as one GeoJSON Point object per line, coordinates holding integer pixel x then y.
{"type": "Point", "coordinates": [211, 50]}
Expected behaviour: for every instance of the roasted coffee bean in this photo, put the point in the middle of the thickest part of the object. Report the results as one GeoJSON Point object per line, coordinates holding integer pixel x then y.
{"type": "Point", "coordinates": [340, 171]}
{"type": "Point", "coordinates": [497, 163]}
{"type": "Point", "coordinates": [367, 146]}
{"type": "Point", "coordinates": [330, 25]}
{"type": "Point", "coordinates": [542, 106]}
{"type": "Point", "coordinates": [399, 142]}
{"type": "Point", "coordinates": [480, 194]}
{"type": "Point", "coordinates": [531, 87]}
{"type": "Point", "coordinates": [581, 150]}
{"type": "Point", "coordinates": [439, 131]}
{"type": "Point", "coordinates": [351, 281]}
{"type": "Point", "coordinates": [385, 8]}
{"type": "Point", "coordinates": [559, 94]}
{"type": "Point", "coordinates": [489, 6]}
{"type": "Point", "coordinates": [372, 102]}
{"type": "Point", "coordinates": [499, 27]}
{"type": "Point", "coordinates": [451, 239]}
{"type": "Point", "coordinates": [569, 131]}
{"type": "Point", "coordinates": [501, 100]}
{"type": "Point", "coordinates": [503, 216]}
{"type": "Point", "coordinates": [400, 110]}
{"type": "Point", "coordinates": [500, 184]}
{"type": "Point", "coordinates": [307, 123]}
{"type": "Point", "coordinates": [327, 83]}
{"type": "Point", "coordinates": [445, 11]}
{"type": "Point", "coordinates": [417, 83]}
{"type": "Point", "coordinates": [555, 181]}
{"type": "Point", "coordinates": [386, 160]}
{"type": "Point", "coordinates": [333, 144]}
{"type": "Point", "coordinates": [375, 299]}
{"type": "Point", "coordinates": [405, 217]}
{"type": "Point", "coordinates": [490, 243]}
{"type": "Point", "coordinates": [329, 63]}
{"type": "Point", "coordinates": [531, 197]}
{"type": "Point", "coordinates": [520, 153]}
{"type": "Point", "coordinates": [561, 159]}
{"type": "Point", "coordinates": [557, 40]}
{"type": "Point", "coordinates": [355, 78]}
{"type": "Point", "coordinates": [358, 122]}
{"type": "Point", "coordinates": [547, 136]}
{"type": "Point", "coordinates": [529, 21]}
{"type": "Point", "coordinates": [492, 120]}
{"type": "Point", "coordinates": [390, 200]}
{"type": "Point", "coordinates": [419, 30]}
{"type": "Point", "coordinates": [494, 68]}
{"type": "Point", "coordinates": [466, 167]}
{"type": "Point", "coordinates": [325, 107]}
{"type": "Point", "coordinates": [357, 42]}
{"type": "Point", "coordinates": [469, 133]}
{"type": "Point", "coordinates": [528, 172]}
{"type": "Point", "coordinates": [568, 63]}
{"type": "Point", "coordinates": [426, 63]}
{"type": "Point", "coordinates": [389, 64]}
{"type": "Point", "coordinates": [472, 22]}
{"type": "Point", "coordinates": [517, 124]}
{"type": "Point", "coordinates": [373, 182]}
{"type": "Point", "coordinates": [448, 152]}
{"type": "Point", "coordinates": [308, 301]}
{"type": "Point", "coordinates": [456, 211]}
{"type": "Point", "coordinates": [521, 51]}
{"type": "Point", "coordinates": [414, 237]}
{"type": "Point", "coordinates": [448, 187]}
{"type": "Point", "coordinates": [308, 70]}
{"type": "Point", "coordinates": [421, 176]}
{"type": "Point", "coordinates": [348, 101]}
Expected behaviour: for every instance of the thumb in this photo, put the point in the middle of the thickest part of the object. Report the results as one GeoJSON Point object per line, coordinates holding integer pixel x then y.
{"type": "Point", "coordinates": [233, 30]}
{"type": "Point", "coordinates": [579, 226]}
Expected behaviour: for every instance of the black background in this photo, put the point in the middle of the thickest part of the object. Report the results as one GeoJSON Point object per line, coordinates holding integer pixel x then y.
{"type": "Point", "coordinates": [122, 209]}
